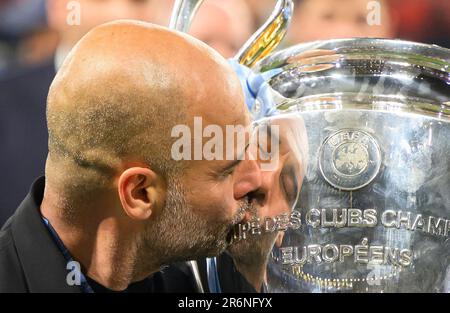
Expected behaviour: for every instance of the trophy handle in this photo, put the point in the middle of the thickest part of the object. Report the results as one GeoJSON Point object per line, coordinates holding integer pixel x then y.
{"type": "Point", "coordinates": [262, 43]}
{"type": "Point", "coordinates": [269, 36]}
{"type": "Point", "coordinates": [183, 14]}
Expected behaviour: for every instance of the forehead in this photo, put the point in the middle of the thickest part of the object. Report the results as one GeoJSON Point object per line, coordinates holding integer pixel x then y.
{"type": "Point", "coordinates": [222, 106]}
{"type": "Point", "coordinates": [228, 117]}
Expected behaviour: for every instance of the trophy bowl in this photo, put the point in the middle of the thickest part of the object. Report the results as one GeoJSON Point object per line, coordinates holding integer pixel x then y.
{"type": "Point", "coordinates": [360, 191]}
{"type": "Point", "coordinates": [373, 213]}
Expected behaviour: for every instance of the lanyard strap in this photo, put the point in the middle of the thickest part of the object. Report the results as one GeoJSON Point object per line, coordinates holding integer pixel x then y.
{"type": "Point", "coordinates": [213, 275]}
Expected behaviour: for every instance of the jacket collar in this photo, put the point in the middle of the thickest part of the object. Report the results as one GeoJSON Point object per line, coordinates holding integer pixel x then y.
{"type": "Point", "coordinates": [43, 264]}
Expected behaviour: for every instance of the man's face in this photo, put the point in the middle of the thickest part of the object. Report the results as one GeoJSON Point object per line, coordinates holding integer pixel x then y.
{"type": "Point", "coordinates": [218, 191]}
{"type": "Point", "coordinates": [192, 226]}
{"type": "Point", "coordinates": [209, 196]}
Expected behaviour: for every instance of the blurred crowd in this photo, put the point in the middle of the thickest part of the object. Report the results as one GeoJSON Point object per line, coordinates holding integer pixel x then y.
{"type": "Point", "coordinates": [32, 31]}
{"type": "Point", "coordinates": [36, 35]}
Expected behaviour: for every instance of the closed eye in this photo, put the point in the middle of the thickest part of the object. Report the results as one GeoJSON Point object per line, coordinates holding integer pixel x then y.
{"type": "Point", "coordinates": [289, 183]}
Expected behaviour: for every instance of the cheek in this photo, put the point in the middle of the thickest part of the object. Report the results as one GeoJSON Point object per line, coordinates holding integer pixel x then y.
{"type": "Point", "coordinates": [213, 201]}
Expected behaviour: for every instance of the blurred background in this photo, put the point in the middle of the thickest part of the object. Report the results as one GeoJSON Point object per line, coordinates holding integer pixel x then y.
{"type": "Point", "coordinates": [36, 35]}
{"type": "Point", "coordinates": [31, 31]}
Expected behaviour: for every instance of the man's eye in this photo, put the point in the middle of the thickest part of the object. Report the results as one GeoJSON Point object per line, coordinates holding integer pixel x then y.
{"type": "Point", "coordinates": [229, 171]}
{"type": "Point", "coordinates": [289, 186]}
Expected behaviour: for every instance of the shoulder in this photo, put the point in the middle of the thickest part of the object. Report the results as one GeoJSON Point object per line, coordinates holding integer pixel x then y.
{"type": "Point", "coordinates": [11, 275]}
{"type": "Point", "coordinates": [5, 238]}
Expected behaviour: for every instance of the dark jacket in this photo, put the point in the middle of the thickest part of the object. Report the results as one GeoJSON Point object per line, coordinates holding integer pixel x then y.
{"type": "Point", "coordinates": [30, 260]}
{"type": "Point", "coordinates": [230, 279]}
{"type": "Point", "coordinates": [23, 132]}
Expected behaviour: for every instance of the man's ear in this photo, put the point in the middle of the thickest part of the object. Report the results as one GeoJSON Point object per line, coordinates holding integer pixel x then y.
{"type": "Point", "coordinates": [141, 192]}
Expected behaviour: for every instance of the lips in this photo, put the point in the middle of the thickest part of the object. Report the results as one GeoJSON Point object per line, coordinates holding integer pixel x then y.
{"type": "Point", "coordinates": [246, 212]}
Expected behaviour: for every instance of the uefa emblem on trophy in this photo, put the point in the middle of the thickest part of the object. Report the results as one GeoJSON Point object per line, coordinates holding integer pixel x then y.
{"type": "Point", "coordinates": [370, 120]}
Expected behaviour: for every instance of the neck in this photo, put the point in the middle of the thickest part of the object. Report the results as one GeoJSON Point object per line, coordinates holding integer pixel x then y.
{"type": "Point", "coordinates": [95, 241]}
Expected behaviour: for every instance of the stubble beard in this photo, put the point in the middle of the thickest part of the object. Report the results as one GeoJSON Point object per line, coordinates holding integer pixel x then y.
{"type": "Point", "coordinates": [179, 234]}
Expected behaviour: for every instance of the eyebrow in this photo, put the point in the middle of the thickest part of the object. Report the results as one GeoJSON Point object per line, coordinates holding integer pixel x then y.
{"type": "Point", "coordinates": [236, 162]}
{"type": "Point", "coordinates": [231, 165]}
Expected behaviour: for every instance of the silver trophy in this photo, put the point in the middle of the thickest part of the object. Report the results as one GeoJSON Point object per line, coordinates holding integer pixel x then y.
{"type": "Point", "coordinates": [365, 126]}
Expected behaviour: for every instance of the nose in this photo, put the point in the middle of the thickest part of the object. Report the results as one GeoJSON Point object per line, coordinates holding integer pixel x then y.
{"type": "Point", "coordinates": [262, 195]}
{"type": "Point", "coordinates": [247, 178]}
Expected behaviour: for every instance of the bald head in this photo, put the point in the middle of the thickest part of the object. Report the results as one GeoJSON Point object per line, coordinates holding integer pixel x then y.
{"type": "Point", "coordinates": [120, 92]}
{"type": "Point", "coordinates": [114, 193]}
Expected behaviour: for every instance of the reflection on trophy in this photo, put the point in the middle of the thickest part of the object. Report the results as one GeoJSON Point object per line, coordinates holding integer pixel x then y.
{"type": "Point", "coordinates": [374, 203]}
{"type": "Point", "coordinates": [373, 213]}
